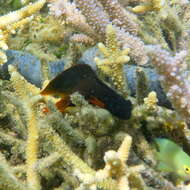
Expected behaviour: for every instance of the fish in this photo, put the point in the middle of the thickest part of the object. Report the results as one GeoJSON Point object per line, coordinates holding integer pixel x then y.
{"type": "Point", "coordinates": [172, 158]}
{"type": "Point", "coordinates": [83, 79]}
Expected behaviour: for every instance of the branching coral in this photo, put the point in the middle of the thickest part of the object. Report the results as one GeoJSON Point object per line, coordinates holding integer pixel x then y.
{"type": "Point", "coordinates": [173, 78]}
{"type": "Point", "coordinates": [99, 121]}
{"type": "Point", "coordinates": [120, 17]}
{"type": "Point", "coordinates": [29, 104]}
{"type": "Point", "coordinates": [14, 20]}
{"type": "Point", "coordinates": [73, 17]}
{"type": "Point", "coordinates": [98, 16]}
{"type": "Point", "coordinates": [82, 38]}
{"type": "Point", "coordinates": [166, 27]}
{"type": "Point", "coordinates": [43, 148]}
{"type": "Point", "coordinates": [151, 100]}
{"type": "Point", "coordinates": [30, 100]}
{"type": "Point", "coordinates": [9, 181]}
{"type": "Point", "coordinates": [58, 150]}
{"type": "Point", "coordinates": [159, 118]}
{"type": "Point", "coordinates": [115, 167]}
{"type": "Point", "coordinates": [114, 60]}
{"type": "Point", "coordinates": [70, 158]}
{"type": "Point", "coordinates": [151, 5]}
{"type": "Point", "coordinates": [56, 155]}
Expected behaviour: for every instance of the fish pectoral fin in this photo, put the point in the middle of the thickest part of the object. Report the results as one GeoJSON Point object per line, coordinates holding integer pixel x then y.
{"type": "Point", "coordinates": [96, 101]}
{"type": "Point", "coordinates": [164, 167]}
{"type": "Point", "coordinates": [63, 103]}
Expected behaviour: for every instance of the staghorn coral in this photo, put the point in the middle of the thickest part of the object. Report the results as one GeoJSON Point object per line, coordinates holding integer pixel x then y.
{"type": "Point", "coordinates": [114, 60]}
{"type": "Point", "coordinates": [70, 146]}
{"type": "Point", "coordinates": [59, 152]}
{"type": "Point", "coordinates": [7, 175]}
{"type": "Point", "coordinates": [98, 18]}
{"type": "Point", "coordinates": [151, 5]}
{"type": "Point", "coordinates": [115, 167]}
{"type": "Point", "coordinates": [81, 38]}
{"type": "Point", "coordinates": [29, 104]}
{"type": "Point", "coordinates": [4, 33]}
{"type": "Point", "coordinates": [70, 158]}
{"type": "Point", "coordinates": [40, 36]}
{"type": "Point", "coordinates": [31, 148]}
{"type": "Point", "coordinates": [120, 17]}
{"type": "Point", "coordinates": [166, 28]}
{"type": "Point", "coordinates": [151, 100]}
{"type": "Point", "coordinates": [174, 80]}
{"type": "Point", "coordinates": [14, 20]}
{"type": "Point", "coordinates": [99, 121]}
{"type": "Point", "coordinates": [73, 16]}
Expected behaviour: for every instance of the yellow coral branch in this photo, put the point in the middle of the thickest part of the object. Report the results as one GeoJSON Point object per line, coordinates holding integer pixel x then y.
{"type": "Point", "coordinates": [23, 89]}
{"type": "Point", "coordinates": [29, 95]}
{"type": "Point", "coordinates": [115, 58]}
{"type": "Point", "coordinates": [8, 179]}
{"type": "Point", "coordinates": [151, 100]}
{"type": "Point", "coordinates": [32, 149]}
{"type": "Point", "coordinates": [152, 5]}
{"type": "Point", "coordinates": [124, 149]}
{"type": "Point", "coordinates": [26, 11]}
{"type": "Point", "coordinates": [14, 20]}
{"type": "Point", "coordinates": [70, 158]}
{"type": "Point", "coordinates": [115, 167]}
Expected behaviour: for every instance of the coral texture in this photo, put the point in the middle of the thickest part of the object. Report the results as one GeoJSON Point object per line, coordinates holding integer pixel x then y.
{"type": "Point", "coordinates": [140, 49]}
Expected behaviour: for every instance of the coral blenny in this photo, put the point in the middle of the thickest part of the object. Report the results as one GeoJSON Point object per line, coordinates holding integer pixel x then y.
{"type": "Point", "coordinates": [83, 79]}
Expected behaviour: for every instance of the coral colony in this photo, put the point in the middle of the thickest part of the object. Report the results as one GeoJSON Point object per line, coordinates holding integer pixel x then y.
{"type": "Point", "coordinates": [118, 112]}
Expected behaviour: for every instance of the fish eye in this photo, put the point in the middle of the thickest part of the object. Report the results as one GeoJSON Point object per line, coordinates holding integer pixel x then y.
{"type": "Point", "coordinates": [187, 169]}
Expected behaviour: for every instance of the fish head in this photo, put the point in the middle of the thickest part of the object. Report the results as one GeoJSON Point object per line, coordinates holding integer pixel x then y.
{"type": "Point", "coordinates": [184, 172]}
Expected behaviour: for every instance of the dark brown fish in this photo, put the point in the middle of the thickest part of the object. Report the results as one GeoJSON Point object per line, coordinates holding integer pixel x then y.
{"type": "Point", "coordinates": [83, 79]}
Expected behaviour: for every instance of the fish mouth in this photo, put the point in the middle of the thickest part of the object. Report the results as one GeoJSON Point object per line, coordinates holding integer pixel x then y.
{"type": "Point", "coordinates": [187, 178]}
{"type": "Point", "coordinates": [44, 92]}
{"type": "Point", "coordinates": [48, 91]}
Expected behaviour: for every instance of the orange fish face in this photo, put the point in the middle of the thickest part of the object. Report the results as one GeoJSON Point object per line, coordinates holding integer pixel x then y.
{"type": "Point", "coordinates": [83, 79]}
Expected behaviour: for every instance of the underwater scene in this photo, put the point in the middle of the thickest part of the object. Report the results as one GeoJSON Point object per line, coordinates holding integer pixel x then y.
{"type": "Point", "coordinates": [94, 95]}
